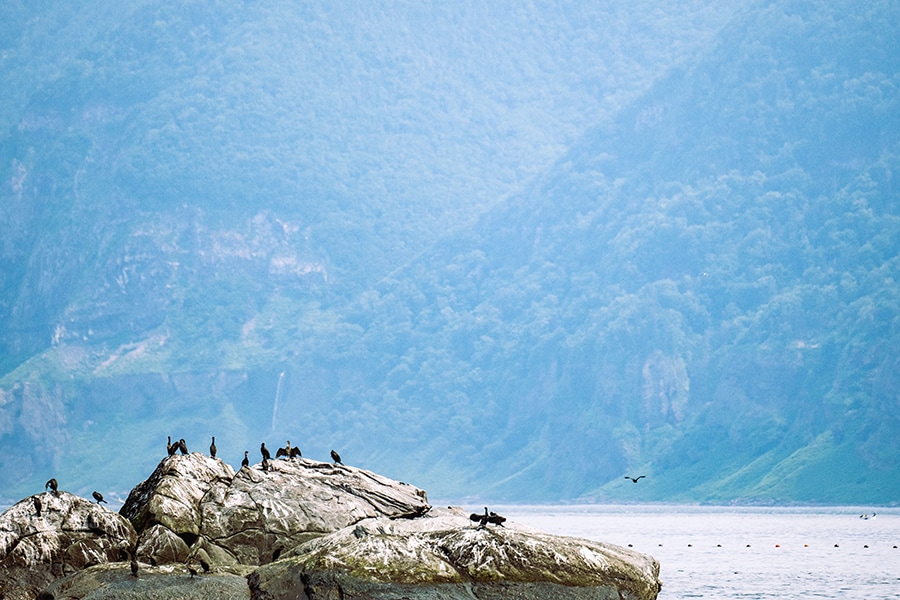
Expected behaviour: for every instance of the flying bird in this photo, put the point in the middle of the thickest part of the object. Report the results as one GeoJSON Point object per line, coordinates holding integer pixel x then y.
{"type": "Point", "coordinates": [98, 497]}
{"type": "Point", "coordinates": [635, 479]}
{"type": "Point", "coordinates": [52, 485]}
{"type": "Point", "coordinates": [336, 457]}
{"type": "Point", "coordinates": [212, 447]}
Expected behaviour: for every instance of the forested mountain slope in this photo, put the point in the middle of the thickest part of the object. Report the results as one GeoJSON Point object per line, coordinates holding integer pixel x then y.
{"type": "Point", "coordinates": [510, 253]}
{"type": "Point", "coordinates": [704, 290]}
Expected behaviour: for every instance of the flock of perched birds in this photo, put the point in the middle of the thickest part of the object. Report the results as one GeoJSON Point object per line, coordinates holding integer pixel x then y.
{"type": "Point", "coordinates": [289, 452]}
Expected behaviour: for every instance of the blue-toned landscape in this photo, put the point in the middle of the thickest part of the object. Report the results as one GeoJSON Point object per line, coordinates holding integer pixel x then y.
{"type": "Point", "coordinates": [508, 251]}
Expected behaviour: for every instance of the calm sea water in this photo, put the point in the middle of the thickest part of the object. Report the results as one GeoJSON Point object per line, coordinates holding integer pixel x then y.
{"type": "Point", "coordinates": [745, 553]}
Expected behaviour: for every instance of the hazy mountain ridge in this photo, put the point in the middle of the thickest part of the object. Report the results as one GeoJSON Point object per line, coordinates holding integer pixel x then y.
{"type": "Point", "coordinates": [626, 310]}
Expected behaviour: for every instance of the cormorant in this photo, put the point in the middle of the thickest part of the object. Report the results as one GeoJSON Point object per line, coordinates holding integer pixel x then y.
{"type": "Point", "coordinates": [246, 461]}
{"type": "Point", "coordinates": [170, 447]}
{"type": "Point", "coordinates": [98, 497]}
{"type": "Point", "coordinates": [37, 505]}
{"type": "Point", "coordinates": [265, 464]}
{"type": "Point", "coordinates": [635, 479]}
{"type": "Point", "coordinates": [182, 446]}
{"type": "Point", "coordinates": [134, 566]}
{"type": "Point", "coordinates": [191, 570]}
{"type": "Point", "coordinates": [482, 520]}
{"type": "Point", "coordinates": [264, 451]}
{"type": "Point", "coordinates": [336, 457]}
{"type": "Point", "coordinates": [295, 452]}
{"type": "Point", "coordinates": [204, 565]}
{"type": "Point", "coordinates": [286, 451]}
{"type": "Point", "coordinates": [52, 485]}
{"type": "Point", "coordinates": [212, 447]}
{"type": "Point", "coordinates": [496, 519]}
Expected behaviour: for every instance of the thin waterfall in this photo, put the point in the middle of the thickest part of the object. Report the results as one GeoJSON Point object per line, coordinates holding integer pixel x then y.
{"type": "Point", "coordinates": [277, 396]}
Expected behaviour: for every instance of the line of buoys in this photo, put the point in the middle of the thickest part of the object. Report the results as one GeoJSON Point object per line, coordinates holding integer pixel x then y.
{"type": "Point", "coordinates": [776, 545]}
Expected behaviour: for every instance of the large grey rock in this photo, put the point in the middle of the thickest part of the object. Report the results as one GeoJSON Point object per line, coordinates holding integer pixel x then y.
{"type": "Point", "coordinates": [168, 582]}
{"type": "Point", "coordinates": [195, 504]}
{"type": "Point", "coordinates": [444, 555]}
{"type": "Point", "coordinates": [69, 534]}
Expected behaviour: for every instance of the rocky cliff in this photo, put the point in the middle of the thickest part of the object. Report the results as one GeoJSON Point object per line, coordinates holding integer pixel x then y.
{"type": "Point", "coordinates": [296, 529]}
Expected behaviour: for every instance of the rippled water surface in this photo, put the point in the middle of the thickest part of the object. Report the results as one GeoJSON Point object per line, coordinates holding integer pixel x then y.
{"type": "Point", "coordinates": [746, 553]}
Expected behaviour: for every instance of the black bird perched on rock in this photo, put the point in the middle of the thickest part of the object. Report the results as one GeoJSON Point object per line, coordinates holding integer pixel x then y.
{"type": "Point", "coordinates": [182, 446]}
{"type": "Point", "coordinates": [212, 447]}
{"type": "Point", "coordinates": [134, 567]}
{"type": "Point", "coordinates": [286, 451]}
{"type": "Point", "coordinates": [336, 457]}
{"type": "Point", "coordinates": [204, 565]}
{"type": "Point", "coordinates": [295, 452]}
{"type": "Point", "coordinates": [191, 570]}
{"type": "Point", "coordinates": [482, 520]}
{"type": "Point", "coordinates": [265, 464]}
{"type": "Point", "coordinates": [98, 497]}
{"type": "Point", "coordinates": [496, 519]}
{"type": "Point", "coordinates": [246, 461]}
{"type": "Point", "coordinates": [264, 451]}
{"type": "Point", "coordinates": [635, 479]}
{"type": "Point", "coordinates": [51, 485]}
{"type": "Point", "coordinates": [170, 447]}
{"type": "Point", "coordinates": [37, 505]}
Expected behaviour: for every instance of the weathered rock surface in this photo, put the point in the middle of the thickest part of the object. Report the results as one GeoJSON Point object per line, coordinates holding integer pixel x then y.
{"type": "Point", "coordinates": [169, 582]}
{"type": "Point", "coordinates": [195, 504]}
{"type": "Point", "coordinates": [69, 534]}
{"type": "Point", "coordinates": [301, 530]}
{"type": "Point", "coordinates": [444, 555]}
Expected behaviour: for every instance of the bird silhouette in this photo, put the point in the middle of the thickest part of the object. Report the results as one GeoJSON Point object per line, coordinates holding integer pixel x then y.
{"type": "Point", "coordinates": [635, 479]}
{"type": "Point", "coordinates": [37, 505]}
{"type": "Point", "coordinates": [246, 461]}
{"type": "Point", "coordinates": [336, 457]}
{"type": "Point", "coordinates": [52, 485]}
{"type": "Point", "coordinates": [286, 451]}
{"type": "Point", "coordinates": [98, 497]}
{"type": "Point", "coordinates": [212, 447]}
{"type": "Point", "coordinates": [295, 452]}
{"type": "Point", "coordinates": [182, 446]}
{"type": "Point", "coordinates": [170, 447]}
{"type": "Point", "coordinates": [265, 451]}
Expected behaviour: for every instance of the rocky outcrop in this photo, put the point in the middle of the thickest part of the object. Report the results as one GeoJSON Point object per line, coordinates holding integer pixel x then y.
{"type": "Point", "coordinates": [301, 529]}
{"type": "Point", "coordinates": [167, 582]}
{"type": "Point", "coordinates": [194, 505]}
{"type": "Point", "coordinates": [50, 535]}
{"type": "Point", "coordinates": [444, 555]}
